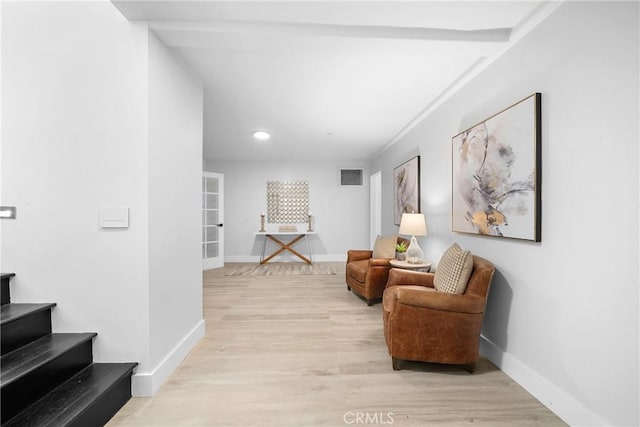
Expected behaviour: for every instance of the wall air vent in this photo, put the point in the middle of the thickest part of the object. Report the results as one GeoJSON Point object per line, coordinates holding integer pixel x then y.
{"type": "Point", "coordinates": [350, 177]}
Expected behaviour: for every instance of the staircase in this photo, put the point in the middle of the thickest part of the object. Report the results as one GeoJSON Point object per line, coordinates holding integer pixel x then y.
{"type": "Point", "coordinates": [50, 378]}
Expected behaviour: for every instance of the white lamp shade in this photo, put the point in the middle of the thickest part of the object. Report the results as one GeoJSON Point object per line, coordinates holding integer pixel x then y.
{"type": "Point", "coordinates": [413, 224]}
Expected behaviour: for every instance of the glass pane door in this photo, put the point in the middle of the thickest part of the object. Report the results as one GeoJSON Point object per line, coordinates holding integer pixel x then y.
{"type": "Point", "coordinates": [212, 220]}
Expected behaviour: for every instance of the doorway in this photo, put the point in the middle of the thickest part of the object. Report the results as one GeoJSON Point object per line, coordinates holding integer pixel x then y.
{"type": "Point", "coordinates": [212, 220]}
{"type": "Point", "coordinates": [375, 209]}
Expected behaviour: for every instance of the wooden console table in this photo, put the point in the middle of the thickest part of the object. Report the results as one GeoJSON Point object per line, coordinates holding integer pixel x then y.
{"type": "Point", "coordinates": [284, 246]}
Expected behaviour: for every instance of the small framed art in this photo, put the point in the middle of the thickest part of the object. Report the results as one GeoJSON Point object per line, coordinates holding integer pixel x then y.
{"type": "Point", "coordinates": [406, 188]}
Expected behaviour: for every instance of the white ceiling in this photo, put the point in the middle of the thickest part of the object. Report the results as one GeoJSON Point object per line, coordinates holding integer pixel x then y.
{"type": "Point", "coordinates": [328, 78]}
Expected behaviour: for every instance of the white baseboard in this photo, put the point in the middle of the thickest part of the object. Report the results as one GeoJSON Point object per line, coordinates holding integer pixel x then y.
{"type": "Point", "coordinates": [316, 258]}
{"type": "Point", "coordinates": [144, 384]}
{"type": "Point", "coordinates": [558, 401]}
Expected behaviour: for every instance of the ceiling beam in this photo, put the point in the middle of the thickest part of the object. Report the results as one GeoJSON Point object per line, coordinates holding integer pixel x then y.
{"type": "Point", "coordinates": [332, 30]}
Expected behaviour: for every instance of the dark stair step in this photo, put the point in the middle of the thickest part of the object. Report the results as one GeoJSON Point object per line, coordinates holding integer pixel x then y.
{"type": "Point", "coordinates": [23, 323]}
{"type": "Point", "coordinates": [5, 278]}
{"type": "Point", "coordinates": [33, 370]}
{"type": "Point", "coordinates": [89, 398]}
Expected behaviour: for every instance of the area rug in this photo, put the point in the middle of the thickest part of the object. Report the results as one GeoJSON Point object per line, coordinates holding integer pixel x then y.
{"type": "Point", "coordinates": [280, 269]}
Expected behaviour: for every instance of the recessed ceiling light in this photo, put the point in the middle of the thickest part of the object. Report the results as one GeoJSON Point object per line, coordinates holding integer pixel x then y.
{"type": "Point", "coordinates": [261, 135]}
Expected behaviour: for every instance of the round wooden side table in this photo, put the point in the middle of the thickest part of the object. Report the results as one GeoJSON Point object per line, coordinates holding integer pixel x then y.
{"type": "Point", "coordinates": [424, 266]}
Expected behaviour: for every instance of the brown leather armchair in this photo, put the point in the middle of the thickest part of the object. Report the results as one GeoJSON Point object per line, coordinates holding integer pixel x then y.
{"type": "Point", "coordinates": [422, 324]}
{"type": "Point", "coordinates": [367, 276]}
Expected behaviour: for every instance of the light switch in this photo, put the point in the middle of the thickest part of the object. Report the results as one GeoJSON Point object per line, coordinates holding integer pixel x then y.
{"type": "Point", "coordinates": [114, 217]}
{"type": "Point", "coordinates": [8, 212]}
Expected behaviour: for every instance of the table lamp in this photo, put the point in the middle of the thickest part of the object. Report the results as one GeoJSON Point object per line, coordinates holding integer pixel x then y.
{"type": "Point", "coordinates": [413, 224]}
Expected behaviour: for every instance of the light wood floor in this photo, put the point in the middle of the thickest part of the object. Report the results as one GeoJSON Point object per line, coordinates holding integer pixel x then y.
{"type": "Point", "coordinates": [303, 351]}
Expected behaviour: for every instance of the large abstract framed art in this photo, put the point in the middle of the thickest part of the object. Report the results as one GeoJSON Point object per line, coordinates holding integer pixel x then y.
{"type": "Point", "coordinates": [406, 188]}
{"type": "Point", "coordinates": [496, 174]}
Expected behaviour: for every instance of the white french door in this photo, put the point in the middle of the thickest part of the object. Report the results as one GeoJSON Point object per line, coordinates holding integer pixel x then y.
{"type": "Point", "coordinates": [212, 220]}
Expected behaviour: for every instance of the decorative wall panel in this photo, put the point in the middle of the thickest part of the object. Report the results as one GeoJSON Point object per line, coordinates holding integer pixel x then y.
{"type": "Point", "coordinates": [287, 201]}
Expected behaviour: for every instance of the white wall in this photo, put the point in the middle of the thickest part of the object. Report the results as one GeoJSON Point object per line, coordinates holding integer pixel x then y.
{"type": "Point", "coordinates": [1, 97]}
{"type": "Point", "coordinates": [562, 316]}
{"type": "Point", "coordinates": [340, 213]}
{"type": "Point", "coordinates": [79, 134]}
{"type": "Point", "coordinates": [175, 216]}
{"type": "Point", "coordinates": [74, 139]}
